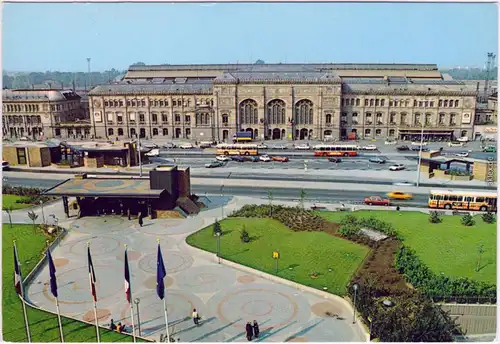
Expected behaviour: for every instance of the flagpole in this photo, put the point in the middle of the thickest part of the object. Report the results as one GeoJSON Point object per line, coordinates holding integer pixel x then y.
{"type": "Point", "coordinates": [59, 319]}
{"type": "Point", "coordinates": [165, 309]}
{"type": "Point", "coordinates": [130, 301]}
{"type": "Point", "coordinates": [94, 297]}
{"type": "Point", "coordinates": [22, 295]}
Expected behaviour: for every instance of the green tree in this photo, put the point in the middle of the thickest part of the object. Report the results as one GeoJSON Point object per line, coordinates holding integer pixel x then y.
{"type": "Point", "coordinates": [434, 217]}
{"type": "Point", "coordinates": [303, 195]}
{"type": "Point", "coordinates": [480, 251]}
{"type": "Point", "coordinates": [244, 235]}
{"type": "Point", "coordinates": [270, 197]}
{"type": "Point", "coordinates": [33, 217]}
{"type": "Point", "coordinates": [467, 220]}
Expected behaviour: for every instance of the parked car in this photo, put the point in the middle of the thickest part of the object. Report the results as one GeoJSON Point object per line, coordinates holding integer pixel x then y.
{"type": "Point", "coordinates": [186, 146]}
{"type": "Point", "coordinates": [251, 158]}
{"type": "Point", "coordinates": [261, 146]}
{"type": "Point", "coordinates": [377, 200]}
{"type": "Point", "coordinates": [370, 147]}
{"type": "Point", "coordinates": [214, 164]}
{"type": "Point", "coordinates": [417, 149]}
{"type": "Point", "coordinates": [238, 158]}
{"type": "Point", "coordinates": [150, 145]}
{"type": "Point", "coordinates": [403, 148]}
{"type": "Point", "coordinates": [418, 143]}
{"type": "Point", "coordinates": [462, 154]}
{"type": "Point", "coordinates": [455, 144]}
{"type": "Point", "coordinates": [403, 184]}
{"type": "Point", "coordinates": [377, 160]}
{"type": "Point", "coordinates": [205, 144]}
{"type": "Point", "coordinates": [282, 147]}
{"type": "Point", "coordinates": [399, 195]}
{"type": "Point", "coordinates": [169, 145]}
{"type": "Point", "coordinates": [390, 142]}
{"type": "Point", "coordinates": [490, 149]}
{"type": "Point", "coordinates": [397, 167]}
{"type": "Point", "coordinates": [222, 158]}
{"type": "Point", "coordinates": [463, 139]}
{"type": "Point", "coordinates": [5, 166]}
{"type": "Point", "coordinates": [280, 158]}
{"type": "Point", "coordinates": [153, 152]}
{"type": "Point", "coordinates": [303, 146]}
{"type": "Point", "coordinates": [334, 159]}
{"type": "Point", "coordinates": [264, 158]}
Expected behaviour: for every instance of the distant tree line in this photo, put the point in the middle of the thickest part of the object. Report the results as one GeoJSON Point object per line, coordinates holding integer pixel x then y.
{"type": "Point", "coordinates": [471, 73]}
{"type": "Point", "coordinates": [58, 79]}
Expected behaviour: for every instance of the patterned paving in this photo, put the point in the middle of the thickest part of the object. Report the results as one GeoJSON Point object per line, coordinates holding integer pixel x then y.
{"type": "Point", "coordinates": [86, 187]}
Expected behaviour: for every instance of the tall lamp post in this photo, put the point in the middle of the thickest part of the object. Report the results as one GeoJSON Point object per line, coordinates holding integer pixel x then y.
{"type": "Point", "coordinates": [137, 301]}
{"type": "Point", "coordinates": [218, 245]}
{"type": "Point", "coordinates": [355, 287]}
{"type": "Point", "coordinates": [222, 197]}
{"type": "Point", "coordinates": [421, 143]}
{"type": "Point", "coordinates": [43, 214]}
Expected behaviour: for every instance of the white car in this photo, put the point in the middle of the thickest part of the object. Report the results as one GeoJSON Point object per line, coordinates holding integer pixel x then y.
{"type": "Point", "coordinates": [186, 146]}
{"type": "Point", "coordinates": [280, 147]}
{"type": "Point", "coordinates": [390, 142]}
{"type": "Point", "coordinates": [418, 143]}
{"type": "Point", "coordinates": [397, 167]}
{"type": "Point", "coordinates": [403, 184]}
{"type": "Point", "coordinates": [264, 158]}
{"type": "Point", "coordinates": [370, 147]}
{"type": "Point", "coordinates": [463, 139]}
{"type": "Point", "coordinates": [261, 146]}
{"type": "Point", "coordinates": [153, 152]}
{"type": "Point", "coordinates": [304, 146]}
{"type": "Point", "coordinates": [455, 144]}
{"type": "Point", "coordinates": [222, 158]}
{"type": "Point", "coordinates": [462, 154]}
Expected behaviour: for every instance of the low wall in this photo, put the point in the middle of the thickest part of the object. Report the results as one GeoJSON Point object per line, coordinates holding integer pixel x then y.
{"type": "Point", "coordinates": [473, 319]}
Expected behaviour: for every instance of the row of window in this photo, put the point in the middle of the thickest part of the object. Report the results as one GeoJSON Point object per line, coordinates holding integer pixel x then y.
{"type": "Point", "coordinates": [200, 118]}
{"type": "Point", "coordinates": [454, 198]}
{"type": "Point", "coordinates": [275, 112]}
{"type": "Point", "coordinates": [23, 119]}
{"type": "Point", "coordinates": [452, 103]}
{"type": "Point", "coordinates": [22, 107]}
{"type": "Point", "coordinates": [403, 118]}
{"type": "Point", "coordinates": [158, 102]}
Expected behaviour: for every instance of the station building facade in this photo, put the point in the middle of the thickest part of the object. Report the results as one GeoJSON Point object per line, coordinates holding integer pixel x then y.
{"type": "Point", "coordinates": [283, 101]}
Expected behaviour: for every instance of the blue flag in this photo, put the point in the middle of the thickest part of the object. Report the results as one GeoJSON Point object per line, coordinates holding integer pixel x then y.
{"type": "Point", "coordinates": [160, 275]}
{"type": "Point", "coordinates": [52, 273]}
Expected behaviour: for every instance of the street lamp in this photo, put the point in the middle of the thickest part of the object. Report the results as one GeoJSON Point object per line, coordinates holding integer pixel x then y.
{"type": "Point", "coordinates": [137, 301]}
{"type": "Point", "coordinates": [421, 143]}
{"type": "Point", "coordinates": [218, 245]}
{"type": "Point", "coordinates": [222, 197]}
{"type": "Point", "coordinates": [43, 215]}
{"type": "Point", "coordinates": [355, 287]}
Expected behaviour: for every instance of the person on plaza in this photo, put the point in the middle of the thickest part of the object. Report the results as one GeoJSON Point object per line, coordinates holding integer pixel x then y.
{"type": "Point", "coordinates": [196, 317]}
{"type": "Point", "coordinates": [249, 330]}
{"type": "Point", "coordinates": [256, 329]}
{"type": "Point", "coordinates": [112, 325]}
{"type": "Point", "coordinates": [140, 220]}
{"type": "Point", "coordinates": [119, 328]}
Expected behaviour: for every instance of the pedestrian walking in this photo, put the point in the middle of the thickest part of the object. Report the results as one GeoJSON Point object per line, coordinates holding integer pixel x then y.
{"type": "Point", "coordinates": [140, 220]}
{"type": "Point", "coordinates": [249, 330]}
{"type": "Point", "coordinates": [256, 329]}
{"type": "Point", "coordinates": [112, 325]}
{"type": "Point", "coordinates": [196, 317]}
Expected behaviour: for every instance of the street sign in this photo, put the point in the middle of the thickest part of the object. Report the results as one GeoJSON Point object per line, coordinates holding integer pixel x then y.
{"type": "Point", "coordinates": [276, 255]}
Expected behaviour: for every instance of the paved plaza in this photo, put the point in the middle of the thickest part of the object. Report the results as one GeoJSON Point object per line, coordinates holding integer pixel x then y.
{"type": "Point", "coordinates": [225, 297]}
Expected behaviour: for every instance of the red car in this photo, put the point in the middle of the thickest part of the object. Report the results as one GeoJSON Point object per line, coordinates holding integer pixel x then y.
{"type": "Point", "coordinates": [377, 200]}
{"type": "Point", "coordinates": [280, 158]}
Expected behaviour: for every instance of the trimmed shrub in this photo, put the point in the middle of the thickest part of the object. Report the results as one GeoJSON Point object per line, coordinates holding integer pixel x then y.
{"type": "Point", "coordinates": [244, 236]}
{"type": "Point", "coordinates": [217, 228]}
{"type": "Point", "coordinates": [434, 217]}
{"type": "Point", "coordinates": [467, 220]}
{"type": "Point", "coordinates": [489, 217]}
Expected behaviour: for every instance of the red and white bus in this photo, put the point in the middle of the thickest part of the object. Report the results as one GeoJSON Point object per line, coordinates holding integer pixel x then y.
{"type": "Point", "coordinates": [335, 150]}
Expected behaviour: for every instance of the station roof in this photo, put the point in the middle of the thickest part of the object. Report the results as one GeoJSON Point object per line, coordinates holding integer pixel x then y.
{"type": "Point", "coordinates": [105, 187]}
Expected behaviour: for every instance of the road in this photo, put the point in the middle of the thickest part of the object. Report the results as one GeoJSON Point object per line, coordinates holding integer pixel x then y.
{"type": "Point", "coordinates": [313, 195]}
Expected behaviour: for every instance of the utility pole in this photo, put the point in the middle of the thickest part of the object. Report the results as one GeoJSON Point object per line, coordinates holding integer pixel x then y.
{"type": "Point", "coordinates": [489, 67]}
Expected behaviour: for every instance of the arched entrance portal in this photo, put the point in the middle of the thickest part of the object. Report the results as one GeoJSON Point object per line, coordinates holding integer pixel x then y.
{"type": "Point", "coordinates": [276, 134]}
{"type": "Point", "coordinates": [303, 134]}
{"type": "Point", "coordinates": [250, 130]}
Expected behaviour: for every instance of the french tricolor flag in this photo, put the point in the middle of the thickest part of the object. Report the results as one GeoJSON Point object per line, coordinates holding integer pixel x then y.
{"type": "Point", "coordinates": [17, 274]}
{"type": "Point", "coordinates": [128, 292]}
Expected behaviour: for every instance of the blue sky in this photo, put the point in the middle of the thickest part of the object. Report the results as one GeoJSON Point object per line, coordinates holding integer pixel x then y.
{"type": "Point", "coordinates": [39, 37]}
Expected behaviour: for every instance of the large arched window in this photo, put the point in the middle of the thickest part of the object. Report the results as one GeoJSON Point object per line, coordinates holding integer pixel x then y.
{"type": "Point", "coordinates": [304, 112]}
{"type": "Point", "coordinates": [276, 112]}
{"type": "Point", "coordinates": [248, 112]}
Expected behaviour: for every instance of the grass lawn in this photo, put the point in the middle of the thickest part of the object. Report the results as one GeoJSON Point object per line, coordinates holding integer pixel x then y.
{"type": "Point", "coordinates": [447, 247]}
{"type": "Point", "coordinates": [43, 326]}
{"type": "Point", "coordinates": [10, 200]}
{"type": "Point", "coordinates": [304, 252]}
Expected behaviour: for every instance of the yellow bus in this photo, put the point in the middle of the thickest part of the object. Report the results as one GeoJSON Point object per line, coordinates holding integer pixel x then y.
{"type": "Point", "coordinates": [237, 149]}
{"type": "Point", "coordinates": [463, 200]}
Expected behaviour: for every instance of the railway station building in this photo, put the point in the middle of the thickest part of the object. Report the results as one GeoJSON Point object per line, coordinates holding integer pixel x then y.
{"type": "Point", "coordinates": [283, 101]}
